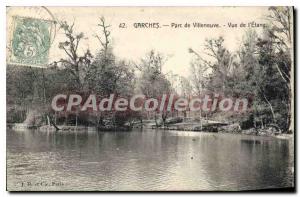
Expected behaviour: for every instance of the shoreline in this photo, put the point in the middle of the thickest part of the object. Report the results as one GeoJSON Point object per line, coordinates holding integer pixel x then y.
{"type": "Point", "coordinates": [230, 129]}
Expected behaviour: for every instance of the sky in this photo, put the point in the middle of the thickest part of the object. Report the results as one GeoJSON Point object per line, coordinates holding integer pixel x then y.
{"type": "Point", "coordinates": [132, 43]}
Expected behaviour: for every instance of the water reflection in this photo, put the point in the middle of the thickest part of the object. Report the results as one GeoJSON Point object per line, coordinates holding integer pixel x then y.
{"type": "Point", "coordinates": [146, 160]}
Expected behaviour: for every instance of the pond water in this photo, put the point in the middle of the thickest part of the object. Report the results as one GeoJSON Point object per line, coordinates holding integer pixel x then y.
{"type": "Point", "coordinates": [146, 160]}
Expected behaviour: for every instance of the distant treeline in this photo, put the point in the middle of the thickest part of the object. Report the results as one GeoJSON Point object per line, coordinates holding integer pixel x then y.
{"type": "Point", "coordinates": [261, 66]}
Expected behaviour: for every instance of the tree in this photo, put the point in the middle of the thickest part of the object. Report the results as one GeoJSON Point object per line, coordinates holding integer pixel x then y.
{"type": "Point", "coordinates": [77, 65]}
{"type": "Point", "coordinates": [281, 32]}
{"type": "Point", "coordinates": [152, 82]}
{"type": "Point", "coordinates": [220, 66]}
{"type": "Point", "coordinates": [275, 57]}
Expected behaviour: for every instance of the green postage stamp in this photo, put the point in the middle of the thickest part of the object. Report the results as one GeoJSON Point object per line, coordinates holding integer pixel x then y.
{"type": "Point", "coordinates": [30, 42]}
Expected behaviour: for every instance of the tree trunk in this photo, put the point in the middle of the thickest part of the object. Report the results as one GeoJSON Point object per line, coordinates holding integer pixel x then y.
{"type": "Point", "coordinates": [156, 124]}
{"type": "Point", "coordinates": [48, 120]}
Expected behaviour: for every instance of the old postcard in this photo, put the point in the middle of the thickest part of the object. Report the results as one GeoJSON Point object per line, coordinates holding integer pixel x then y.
{"type": "Point", "coordinates": [150, 98]}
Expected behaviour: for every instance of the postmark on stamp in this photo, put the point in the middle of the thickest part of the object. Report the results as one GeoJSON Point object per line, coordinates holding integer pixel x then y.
{"type": "Point", "coordinates": [30, 42]}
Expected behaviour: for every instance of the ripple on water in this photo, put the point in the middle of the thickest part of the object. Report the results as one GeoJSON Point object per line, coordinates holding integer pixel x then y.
{"type": "Point", "coordinates": [149, 160]}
